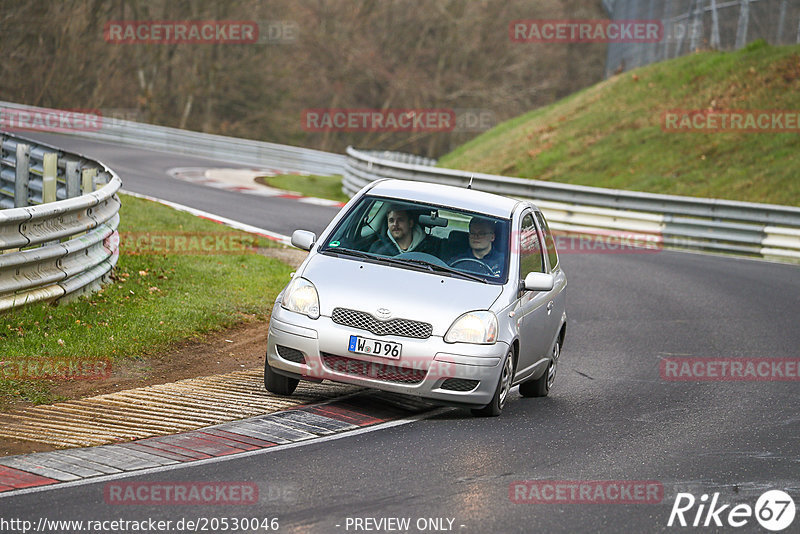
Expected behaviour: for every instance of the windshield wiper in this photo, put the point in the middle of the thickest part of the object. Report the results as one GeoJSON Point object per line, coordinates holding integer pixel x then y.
{"type": "Point", "coordinates": [350, 252]}
{"type": "Point", "coordinates": [365, 255]}
{"type": "Point", "coordinates": [445, 269]}
{"type": "Point", "coordinates": [398, 261]}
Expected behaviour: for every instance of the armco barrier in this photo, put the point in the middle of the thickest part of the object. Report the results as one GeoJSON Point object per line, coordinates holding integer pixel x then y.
{"type": "Point", "coordinates": [748, 228]}
{"type": "Point", "coordinates": [58, 223]}
{"type": "Point", "coordinates": [683, 222]}
{"type": "Point", "coordinates": [219, 147]}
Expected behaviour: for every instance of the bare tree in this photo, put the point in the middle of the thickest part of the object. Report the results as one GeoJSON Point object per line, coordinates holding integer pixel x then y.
{"type": "Point", "coordinates": [381, 54]}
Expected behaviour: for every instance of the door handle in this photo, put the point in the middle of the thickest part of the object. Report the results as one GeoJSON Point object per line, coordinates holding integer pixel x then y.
{"type": "Point", "coordinates": [549, 307]}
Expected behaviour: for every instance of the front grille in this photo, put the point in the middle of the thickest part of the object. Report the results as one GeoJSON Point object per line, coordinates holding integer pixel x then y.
{"type": "Point", "coordinates": [388, 372]}
{"type": "Point", "coordinates": [293, 355]}
{"type": "Point", "coordinates": [459, 384]}
{"type": "Point", "coordinates": [393, 327]}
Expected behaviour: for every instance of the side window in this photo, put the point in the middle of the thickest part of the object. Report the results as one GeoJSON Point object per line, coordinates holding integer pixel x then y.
{"type": "Point", "coordinates": [552, 255]}
{"type": "Point", "coordinates": [530, 250]}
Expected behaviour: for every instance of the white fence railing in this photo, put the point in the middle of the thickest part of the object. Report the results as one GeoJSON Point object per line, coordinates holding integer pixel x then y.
{"type": "Point", "coordinates": [690, 25]}
{"type": "Point", "coordinates": [748, 228]}
{"type": "Point", "coordinates": [58, 223]}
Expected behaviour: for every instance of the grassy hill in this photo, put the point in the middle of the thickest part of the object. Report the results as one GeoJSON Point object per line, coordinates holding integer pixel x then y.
{"type": "Point", "coordinates": [611, 135]}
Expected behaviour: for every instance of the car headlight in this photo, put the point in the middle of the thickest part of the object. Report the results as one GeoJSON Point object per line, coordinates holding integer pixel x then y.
{"type": "Point", "coordinates": [473, 327]}
{"type": "Point", "coordinates": [301, 296]}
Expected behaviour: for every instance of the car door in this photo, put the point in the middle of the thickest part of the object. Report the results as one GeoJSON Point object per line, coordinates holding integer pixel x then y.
{"type": "Point", "coordinates": [531, 313]}
{"type": "Point", "coordinates": [556, 303]}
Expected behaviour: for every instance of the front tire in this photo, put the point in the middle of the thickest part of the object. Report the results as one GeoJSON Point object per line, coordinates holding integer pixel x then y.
{"type": "Point", "coordinates": [278, 384]}
{"type": "Point", "coordinates": [542, 385]}
{"type": "Point", "coordinates": [494, 408]}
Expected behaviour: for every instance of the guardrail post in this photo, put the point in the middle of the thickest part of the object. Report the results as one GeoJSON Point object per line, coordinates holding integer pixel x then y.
{"type": "Point", "coordinates": [741, 29]}
{"type": "Point", "coordinates": [22, 176]}
{"type": "Point", "coordinates": [72, 177]}
{"type": "Point", "coordinates": [696, 26]}
{"type": "Point", "coordinates": [781, 20]}
{"type": "Point", "coordinates": [101, 180]}
{"type": "Point", "coordinates": [49, 172]}
{"type": "Point", "coordinates": [87, 180]}
{"type": "Point", "coordinates": [715, 40]}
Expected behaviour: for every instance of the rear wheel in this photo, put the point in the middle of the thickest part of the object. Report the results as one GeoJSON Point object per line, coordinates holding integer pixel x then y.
{"type": "Point", "coordinates": [278, 384]}
{"type": "Point", "coordinates": [541, 386]}
{"type": "Point", "coordinates": [494, 408]}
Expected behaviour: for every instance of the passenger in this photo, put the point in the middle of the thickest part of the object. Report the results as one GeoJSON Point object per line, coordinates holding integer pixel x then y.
{"type": "Point", "coordinates": [402, 235]}
{"type": "Point", "coordinates": [481, 246]}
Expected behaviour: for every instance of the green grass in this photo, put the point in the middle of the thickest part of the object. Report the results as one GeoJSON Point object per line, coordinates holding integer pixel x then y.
{"type": "Point", "coordinates": [329, 187]}
{"type": "Point", "coordinates": [156, 300]}
{"type": "Point", "coordinates": [610, 135]}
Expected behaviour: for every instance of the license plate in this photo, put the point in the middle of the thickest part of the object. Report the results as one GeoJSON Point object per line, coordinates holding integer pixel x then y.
{"type": "Point", "coordinates": [374, 347]}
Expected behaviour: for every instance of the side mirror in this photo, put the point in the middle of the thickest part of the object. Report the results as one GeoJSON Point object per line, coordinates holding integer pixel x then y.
{"type": "Point", "coordinates": [539, 282]}
{"type": "Point", "coordinates": [303, 239]}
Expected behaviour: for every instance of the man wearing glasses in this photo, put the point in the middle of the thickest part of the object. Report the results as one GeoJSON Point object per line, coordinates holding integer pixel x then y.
{"type": "Point", "coordinates": [481, 241]}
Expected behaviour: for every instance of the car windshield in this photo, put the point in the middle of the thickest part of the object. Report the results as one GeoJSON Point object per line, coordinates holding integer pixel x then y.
{"type": "Point", "coordinates": [440, 239]}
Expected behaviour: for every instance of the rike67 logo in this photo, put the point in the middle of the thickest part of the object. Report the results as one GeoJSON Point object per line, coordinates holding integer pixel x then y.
{"type": "Point", "coordinates": [774, 511]}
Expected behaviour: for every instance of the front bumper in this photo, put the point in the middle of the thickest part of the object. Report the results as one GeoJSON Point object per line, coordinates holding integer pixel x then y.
{"type": "Point", "coordinates": [427, 368]}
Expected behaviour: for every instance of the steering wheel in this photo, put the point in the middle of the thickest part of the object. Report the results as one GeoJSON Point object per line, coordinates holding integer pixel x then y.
{"type": "Point", "coordinates": [473, 260]}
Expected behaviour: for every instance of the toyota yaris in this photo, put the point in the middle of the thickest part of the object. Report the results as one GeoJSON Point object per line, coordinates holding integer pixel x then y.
{"type": "Point", "coordinates": [450, 294]}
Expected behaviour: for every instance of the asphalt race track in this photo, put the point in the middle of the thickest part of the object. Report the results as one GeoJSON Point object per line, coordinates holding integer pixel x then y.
{"type": "Point", "coordinates": [611, 415]}
{"type": "Point", "coordinates": [145, 172]}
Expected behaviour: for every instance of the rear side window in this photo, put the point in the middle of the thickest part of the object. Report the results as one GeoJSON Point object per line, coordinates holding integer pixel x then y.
{"type": "Point", "coordinates": [552, 255]}
{"type": "Point", "coordinates": [530, 250]}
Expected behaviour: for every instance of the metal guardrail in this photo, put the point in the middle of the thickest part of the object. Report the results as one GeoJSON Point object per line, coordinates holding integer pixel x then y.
{"type": "Point", "coordinates": [748, 228]}
{"type": "Point", "coordinates": [683, 222]}
{"type": "Point", "coordinates": [219, 147]}
{"type": "Point", "coordinates": [58, 223]}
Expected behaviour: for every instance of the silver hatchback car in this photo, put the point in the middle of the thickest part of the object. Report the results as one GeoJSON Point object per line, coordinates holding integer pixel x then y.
{"type": "Point", "coordinates": [450, 294]}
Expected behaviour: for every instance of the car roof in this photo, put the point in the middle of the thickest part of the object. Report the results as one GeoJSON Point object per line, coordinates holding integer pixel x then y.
{"type": "Point", "coordinates": [446, 195]}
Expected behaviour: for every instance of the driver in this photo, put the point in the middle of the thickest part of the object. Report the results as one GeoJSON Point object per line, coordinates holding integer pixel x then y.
{"type": "Point", "coordinates": [481, 246]}
{"type": "Point", "coordinates": [402, 235]}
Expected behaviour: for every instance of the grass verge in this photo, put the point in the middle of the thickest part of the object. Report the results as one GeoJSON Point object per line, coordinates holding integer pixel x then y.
{"type": "Point", "coordinates": [611, 135]}
{"type": "Point", "coordinates": [162, 294]}
{"type": "Point", "coordinates": [329, 187]}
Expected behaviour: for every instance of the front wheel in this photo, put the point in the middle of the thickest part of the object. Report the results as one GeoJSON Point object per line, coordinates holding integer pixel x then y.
{"type": "Point", "coordinates": [278, 384]}
{"type": "Point", "coordinates": [542, 385]}
{"type": "Point", "coordinates": [494, 408]}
